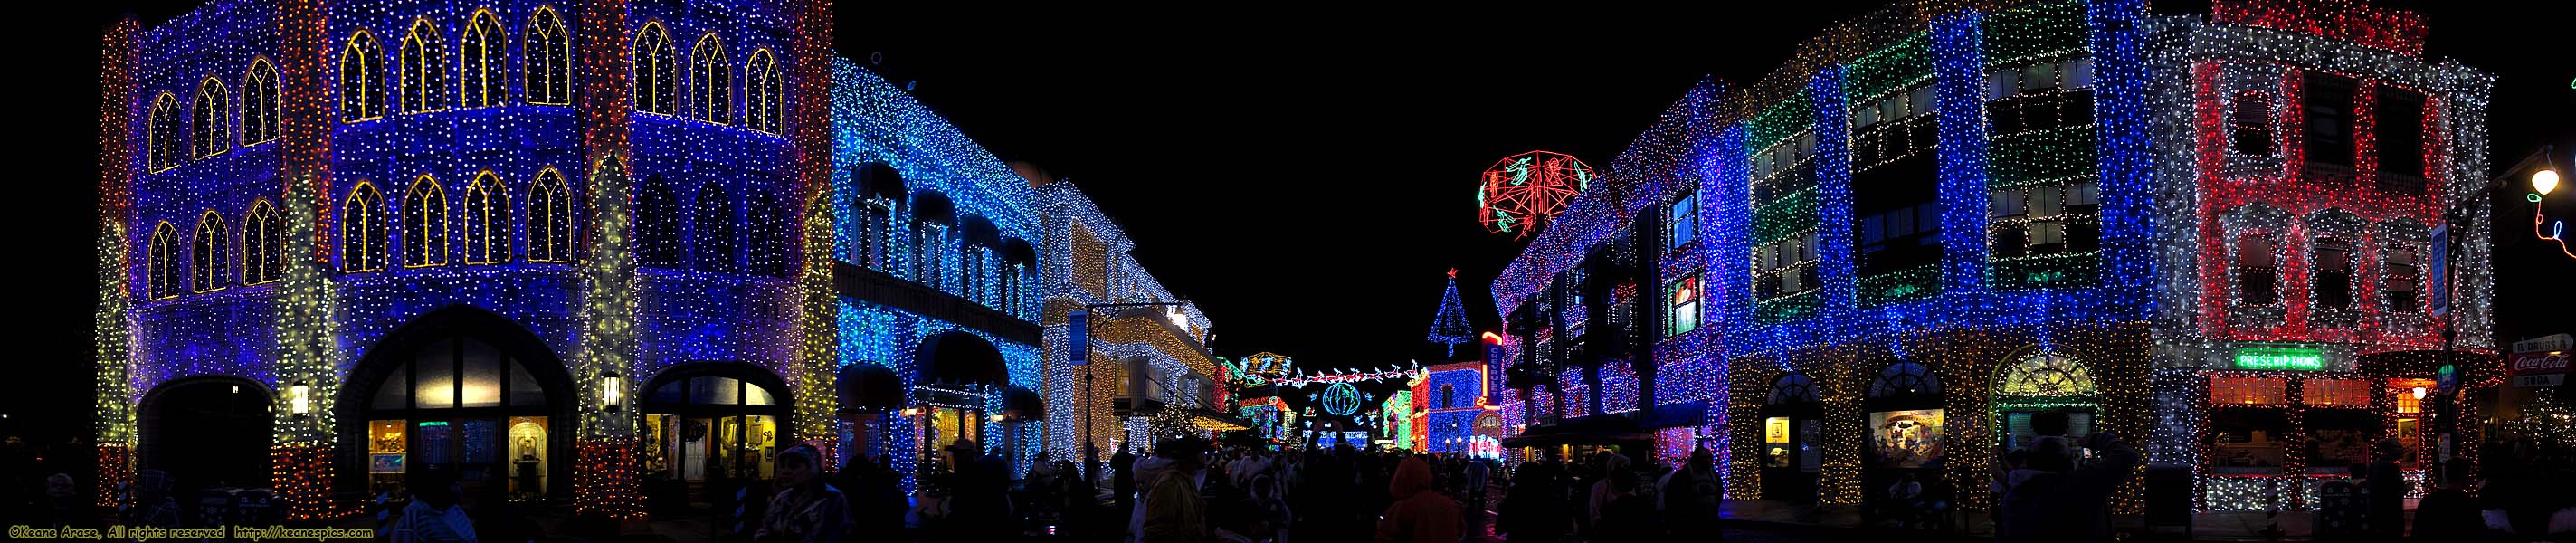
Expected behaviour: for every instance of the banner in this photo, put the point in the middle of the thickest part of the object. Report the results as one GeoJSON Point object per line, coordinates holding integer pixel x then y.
{"type": "Point", "coordinates": [1078, 348]}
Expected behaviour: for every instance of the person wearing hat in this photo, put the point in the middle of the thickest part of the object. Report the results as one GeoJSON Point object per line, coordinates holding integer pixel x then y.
{"type": "Point", "coordinates": [805, 510]}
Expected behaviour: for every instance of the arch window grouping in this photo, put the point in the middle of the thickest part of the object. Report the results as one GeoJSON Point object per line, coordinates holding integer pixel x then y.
{"type": "Point", "coordinates": [263, 244]}
{"type": "Point", "coordinates": [711, 74]}
{"type": "Point", "coordinates": [260, 104]}
{"type": "Point", "coordinates": [161, 276]}
{"type": "Point", "coordinates": [362, 230]}
{"type": "Point", "coordinates": [161, 134]}
{"type": "Point", "coordinates": [210, 124]}
{"type": "Point", "coordinates": [550, 226]}
{"type": "Point", "coordinates": [487, 220]}
{"type": "Point", "coordinates": [481, 79]}
{"type": "Point", "coordinates": [547, 60]}
{"type": "Point", "coordinates": [761, 92]}
{"type": "Point", "coordinates": [213, 257]}
{"type": "Point", "coordinates": [656, 71]}
{"type": "Point", "coordinates": [424, 68]}
{"type": "Point", "coordinates": [424, 223]}
{"type": "Point", "coordinates": [362, 79]}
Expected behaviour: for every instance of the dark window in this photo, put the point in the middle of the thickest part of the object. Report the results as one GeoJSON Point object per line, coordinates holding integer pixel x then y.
{"type": "Point", "coordinates": [2252, 115]}
{"type": "Point", "coordinates": [2399, 274]}
{"type": "Point", "coordinates": [2399, 125]}
{"type": "Point", "coordinates": [2329, 112]}
{"type": "Point", "coordinates": [657, 225]}
{"type": "Point", "coordinates": [2254, 272]}
{"type": "Point", "coordinates": [716, 244]}
{"type": "Point", "coordinates": [2331, 277]}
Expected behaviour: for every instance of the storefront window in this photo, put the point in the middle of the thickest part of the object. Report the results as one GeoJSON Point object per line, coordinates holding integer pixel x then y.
{"type": "Point", "coordinates": [2338, 439]}
{"type": "Point", "coordinates": [2247, 440]}
{"type": "Point", "coordinates": [2247, 391]}
{"type": "Point", "coordinates": [2336, 392]}
{"type": "Point", "coordinates": [711, 427]}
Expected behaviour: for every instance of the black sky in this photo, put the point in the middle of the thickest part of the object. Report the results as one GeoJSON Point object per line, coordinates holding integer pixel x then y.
{"type": "Point", "coordinates": [1306, 176]}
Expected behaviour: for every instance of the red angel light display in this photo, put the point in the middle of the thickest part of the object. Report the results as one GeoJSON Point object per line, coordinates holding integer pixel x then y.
{"type": "Point", "coordinates": [1522, 191]}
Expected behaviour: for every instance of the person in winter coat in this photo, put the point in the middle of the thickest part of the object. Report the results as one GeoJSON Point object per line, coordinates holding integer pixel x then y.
{"type": "Point", "coordinates": [1419, 514]}
{"type": "Point", "coordinates": [1172, 511]}
{"type": "Point", "coordinates": [1689, 496]}
{"type": "Point", "coordinates": [434, 516]}
{"type": "Point", "coordinates": [804, 510]}
{"type": "Point", "coordinates": [2054, 501]}
{"type": "Point", "coordinates": [1533, 508]}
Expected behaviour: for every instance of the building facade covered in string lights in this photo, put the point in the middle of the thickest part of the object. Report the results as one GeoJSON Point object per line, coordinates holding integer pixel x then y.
{"type": "Point", "coordinates": [1147, 373]}
{"type": "Point", "coordinates": [2215, 236]}
{"type": "Point", "coordinates": [586, 252]}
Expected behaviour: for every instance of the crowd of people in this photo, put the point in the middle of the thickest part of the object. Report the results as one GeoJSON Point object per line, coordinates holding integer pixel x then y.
{"type": "Point", "coordinates": [2058, 488]}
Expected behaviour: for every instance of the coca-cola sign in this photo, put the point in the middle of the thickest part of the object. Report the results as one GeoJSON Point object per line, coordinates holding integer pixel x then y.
{"type": "Point", "coordinates": [2539, 363]}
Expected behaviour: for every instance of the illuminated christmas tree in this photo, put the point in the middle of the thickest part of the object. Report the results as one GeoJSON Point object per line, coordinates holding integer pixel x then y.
{"type": "Point", "coordinates": [1449, 327]}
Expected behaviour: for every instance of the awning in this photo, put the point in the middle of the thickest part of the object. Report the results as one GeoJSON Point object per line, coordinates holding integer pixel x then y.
{"type": "Point", "coordinates": [1673, 415]}
{"type": "Point", "coordinates": [1218, 423]}
{"type": "Point", "coordinates": [1023, 404]}
{"type": "Point", "coordinates": [866, 389]}
{"type": "Point", "coordinates": [1593, 430]}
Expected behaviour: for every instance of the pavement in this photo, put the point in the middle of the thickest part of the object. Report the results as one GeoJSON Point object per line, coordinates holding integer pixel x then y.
{"type": "Point", "coordinates": [1834, 521]}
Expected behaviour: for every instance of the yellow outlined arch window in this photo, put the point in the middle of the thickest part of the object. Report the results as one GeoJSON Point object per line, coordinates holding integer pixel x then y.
{"type": "Point", "coordinates": [161, 265]}
{"type": "Point", "coordinates": [550, 226]}
{"type": "Point", "coordinates": [212, 254]}
{"type": "Point", "coordinates": [487, 220]}
{"type": "Point", "coordinates": [210, 127]}
{"type": "Point", "coordinates": [161, 134]}
{"type": "Point", "coordinates": [260, 103]}
{"type": "Point", "coordinates": [424, 223]}
{"type": "Point", "coordinates": [362, 230]}
{"type": "Point", "coordinates": [547, 72]}
{"type": "Point", "coordinates": [657, 78]}
{"type": "Point", "coordinates": [481, 80]}
{"type": "Point", "coordinates": [711, 81]}
{"type": "Point", "coordinates": [362, 79]}
{"type": "Point", "coordinates": [263, 244]}
{"type": "Point", "coordinates": [424, 68]}
{"type": "Point", "coordinates": [761, 92]}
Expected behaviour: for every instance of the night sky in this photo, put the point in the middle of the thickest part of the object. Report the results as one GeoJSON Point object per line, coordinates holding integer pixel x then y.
{"type": "Point", "coordinates": [1307, 178]}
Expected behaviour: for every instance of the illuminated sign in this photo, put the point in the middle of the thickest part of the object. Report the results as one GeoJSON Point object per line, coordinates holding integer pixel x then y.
{"type": "Point", "coordinates": [2279, 358]}
{"type": "Point", "coordinates": [1775, 430]}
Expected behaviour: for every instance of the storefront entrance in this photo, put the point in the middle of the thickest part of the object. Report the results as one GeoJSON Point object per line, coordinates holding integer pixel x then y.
{"type": "Point", "coordinates": [2041, 383]}
{"type": "Point", "coordinates": [1792, 440]}
{"type": "Point", "coordinates": [207, 432]}
{"type": "Point", "coordinates": [462, 392]}
{"type": "Point", "coordinates": [712, 426]}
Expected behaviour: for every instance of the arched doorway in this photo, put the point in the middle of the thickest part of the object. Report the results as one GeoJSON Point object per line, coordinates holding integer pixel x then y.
{"type": "Point", "coordinates": [2039, 383]}
{"type": "Point", "coordinates": [1792, 439]}
{"type": "Point", "coordinates": [207, 432]}
{"type": "Point", "coordinates": [712, 425]}
{"type": "Point", "coordinates": [961, 381]}
{"type": "Point", "coordinates": [1902, 407]}
{"type": "Point", "coordinates": [464, 391]}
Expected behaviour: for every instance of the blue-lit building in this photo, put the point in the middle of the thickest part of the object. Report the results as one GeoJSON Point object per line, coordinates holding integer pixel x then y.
{"type": "Point", "coordinates": [1939, 222]}
{"type": "Point", "coordinates": [610, 254]}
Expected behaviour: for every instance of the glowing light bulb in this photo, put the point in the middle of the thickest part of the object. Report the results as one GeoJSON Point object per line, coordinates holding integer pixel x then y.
{"type": "Point", "coordinates": [2544, 181]}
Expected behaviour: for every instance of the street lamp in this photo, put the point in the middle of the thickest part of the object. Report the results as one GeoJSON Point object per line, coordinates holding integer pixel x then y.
{"type": "Point", "coordinates": [299, 398]}
{"type": "Point", "coordinates": [610, 388]}
{"type": "Point", "coordinates": [2544, 181]}
{"type": "Point", "coordinates": [2419, 394]}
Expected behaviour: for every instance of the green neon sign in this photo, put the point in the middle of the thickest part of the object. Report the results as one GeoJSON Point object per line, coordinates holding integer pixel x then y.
{"type": "Point", "coordinates": [2279, 358]}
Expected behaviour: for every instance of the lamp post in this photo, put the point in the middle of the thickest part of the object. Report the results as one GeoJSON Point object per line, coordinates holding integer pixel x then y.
{"type": "Point", "coordinates": [1081, 345]}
